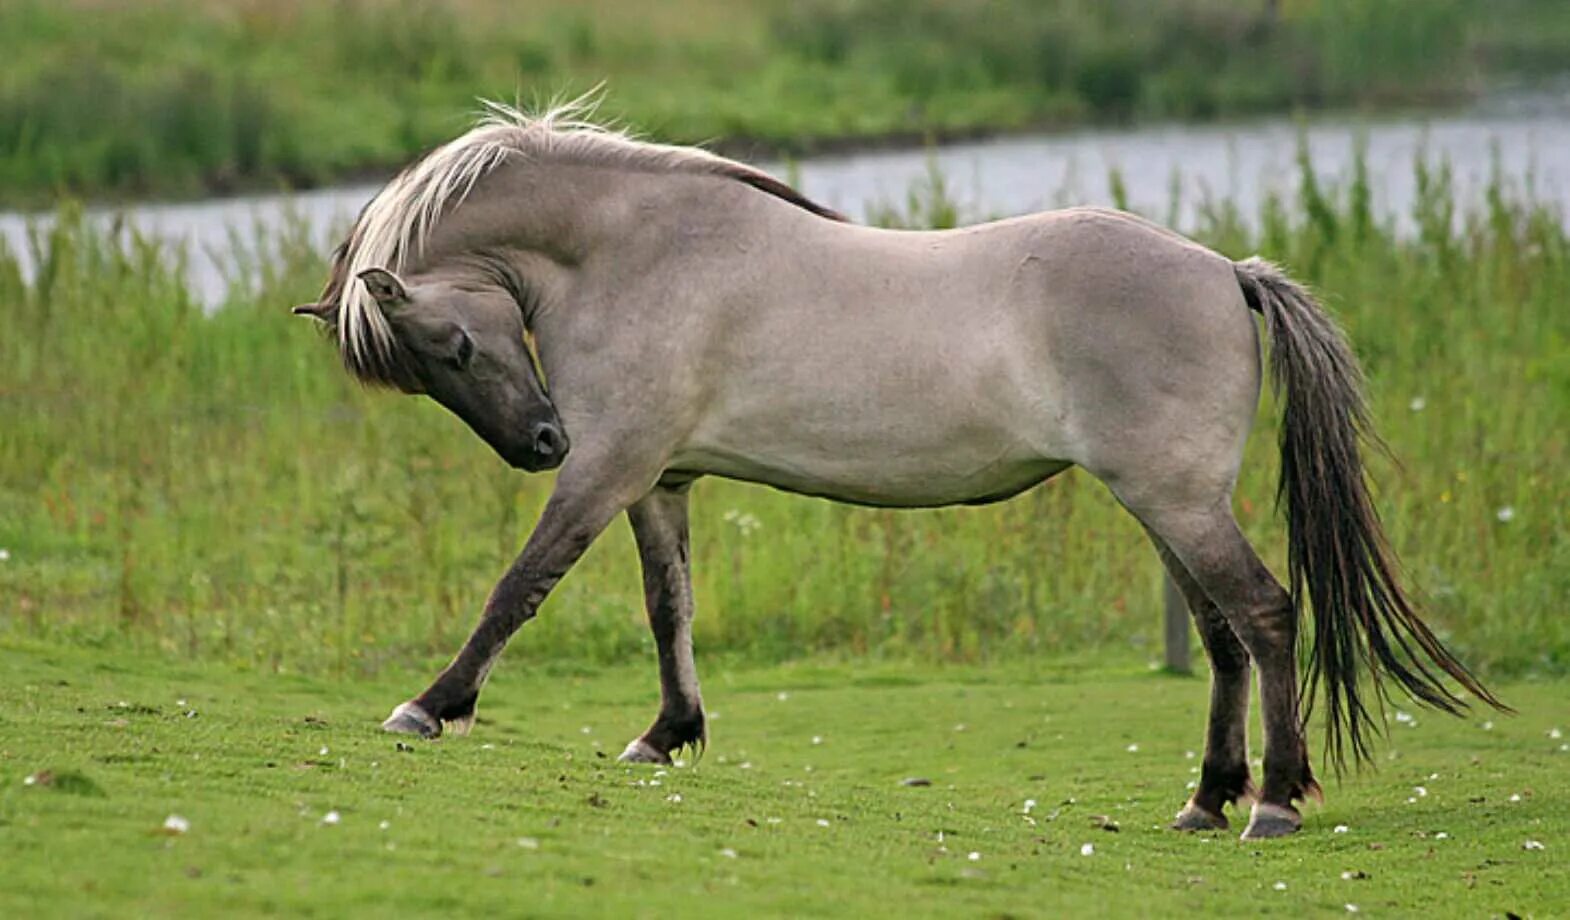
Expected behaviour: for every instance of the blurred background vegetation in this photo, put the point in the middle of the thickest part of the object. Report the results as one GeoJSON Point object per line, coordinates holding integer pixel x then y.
{"type": "Point", "coordinates": [205, 480]}
{"type": "Point", "coordinates": [212, 484]}
{"type": "Point", "coordinates": [183, 97]}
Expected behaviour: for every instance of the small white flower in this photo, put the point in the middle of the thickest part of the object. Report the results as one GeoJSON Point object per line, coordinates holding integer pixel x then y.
{"type": "Point", "coordinates": [1418, 404]}
{"type": "Point", "coordinates": [1555, 734]}
{"type": "Point", "coordinates": [973, 856]}
{"type": "Point", "coordinates": [1133, 749]}
{"type": "Point", "coordinates": [175, 824]}
{"type": "Point", "coordinates": [1030, 805]}
{"type": "Point", "coordinates": [745, 765]}
{"type": "Point", "coordinates": [817, 739]}
{"type": "Point", "coordinates": [322, 752]}
{"type": "Point", "coordinates": [1088, 849]}
{"type": "Point", "coordinates": [1351, 908]}
{"type": "Point", "coordinates": [960, 727]}
{"type": "Point", "coordinates": [1280, 886]}
{"type": "Point", "coordinates": [1341, 829]}
{"type": "Point", "coordinates": [1441, 836]}
{"type": "Point", "coordinates": [1411, 800]}
{"type": "Point", "coordinates": [674, 797]}
{"type": "Point", "coordinates": [823, 822]}
{"type": "Point", "coordinates": [5, 555]}
{"type": "Point", "coordinates": [1532, 845]}
{"type": "Point", "coordinates": [332, 817]}
{"type": "Point", "coordinates": [528, 843]}
{"type": "Point", "coordinates": [782, 696]}
{"type": "Point", "coordinates": [1403, 716]}
{"type": "Point", "coordinates": [384, 825]}
{"type": "Point", "coordinates": [1188, 755]}
{"type": "Point", "coordinates": [1515, 796]}
{"type": "Point", "coordinates": [1488, 726]}
{"type": "Point", "coordinates": [728, 853]}
{"type": "Point", "coordinates": [1505, 514]}
{"type": "Point", "coordinates": [586, 730]}
{"type": "Point", "coordinates": [1421, 791]}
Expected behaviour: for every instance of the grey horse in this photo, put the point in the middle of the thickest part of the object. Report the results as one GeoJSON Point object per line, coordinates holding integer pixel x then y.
{"type": "Point", "coordinates": [693, 316]}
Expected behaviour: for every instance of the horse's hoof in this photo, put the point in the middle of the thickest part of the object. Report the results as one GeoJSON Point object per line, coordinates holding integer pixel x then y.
{"type": "Point", "coordinates": [640, 751]}
{"type": "Point", "coordinates": [1272, 821]}
{"type": "Point", "coordinates": [459, 726]}
{"type": "Point", "coordinates": [1195, 818]}
{"type": "Point", "coordinates": [410, 719]}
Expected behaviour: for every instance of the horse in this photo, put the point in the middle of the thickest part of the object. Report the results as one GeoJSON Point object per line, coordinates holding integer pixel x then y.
{"type": "Point", "coordinates": [637, 316]}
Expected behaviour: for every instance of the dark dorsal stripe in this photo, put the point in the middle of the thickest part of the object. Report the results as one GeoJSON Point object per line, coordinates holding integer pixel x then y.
{"type": "Point", "coordinates": [764, 182]}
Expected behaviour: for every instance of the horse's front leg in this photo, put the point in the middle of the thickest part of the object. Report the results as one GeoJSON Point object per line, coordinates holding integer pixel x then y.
{"type": "Point", "coordinates": [586, 497]}
{"type": "Point", "coordinates": [659, 523]}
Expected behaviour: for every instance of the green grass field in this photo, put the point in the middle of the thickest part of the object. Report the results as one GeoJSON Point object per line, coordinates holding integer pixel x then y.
{"type": "Point", "coordinates": [223, 562]}
{"type": "Point", "coordinates": [182, 97]}
{"type": "Point", "coordinates": [296, 804]}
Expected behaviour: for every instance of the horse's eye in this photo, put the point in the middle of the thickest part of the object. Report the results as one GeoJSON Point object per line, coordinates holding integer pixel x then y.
{"type": "Point", "coordinates": [465, 352]}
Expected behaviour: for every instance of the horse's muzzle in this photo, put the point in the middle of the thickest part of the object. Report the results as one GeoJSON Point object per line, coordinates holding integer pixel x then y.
{"type": "Point", "coordinates": [548, 448]}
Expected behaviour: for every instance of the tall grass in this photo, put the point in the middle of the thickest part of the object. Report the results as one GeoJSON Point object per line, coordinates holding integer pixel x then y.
{"type": "Point", "coordinates": [184, 96]}
{"type": "Point", "coordinates": [213, 485]}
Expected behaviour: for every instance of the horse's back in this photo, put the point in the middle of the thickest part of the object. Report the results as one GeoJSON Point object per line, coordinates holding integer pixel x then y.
{"type": "Point", "coordinates": [932, 368]}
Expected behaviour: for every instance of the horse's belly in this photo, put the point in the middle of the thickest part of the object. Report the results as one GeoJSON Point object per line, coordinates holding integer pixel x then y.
{"type": "Point", "coordinates": [883, 474]}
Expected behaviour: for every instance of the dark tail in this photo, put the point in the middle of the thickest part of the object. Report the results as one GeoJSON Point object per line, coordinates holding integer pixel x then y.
{"type": "Point", "coordinates": [1337, 553]}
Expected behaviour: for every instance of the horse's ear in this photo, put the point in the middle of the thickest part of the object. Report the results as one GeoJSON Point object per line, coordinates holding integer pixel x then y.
{"type": "Point", "coordinates": [326, 312]}
{"type": "Point", "coordinates": [385, 287]}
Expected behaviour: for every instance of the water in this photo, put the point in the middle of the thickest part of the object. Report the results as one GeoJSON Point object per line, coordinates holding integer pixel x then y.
{"type": "Point", "coordinates": [1168, 171]}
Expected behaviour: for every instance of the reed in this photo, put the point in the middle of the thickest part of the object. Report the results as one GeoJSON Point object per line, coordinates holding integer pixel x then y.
{"type": "Point", "coordinates": [212, 484]}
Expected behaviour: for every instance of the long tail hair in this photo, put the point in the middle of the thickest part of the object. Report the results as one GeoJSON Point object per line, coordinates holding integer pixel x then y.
{"type": "Point", "coordinates": [1338, 557]}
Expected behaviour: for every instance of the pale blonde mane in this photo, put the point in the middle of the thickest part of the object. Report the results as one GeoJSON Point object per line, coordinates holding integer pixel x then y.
{"type": "Point", "coordinates": [394, 227]}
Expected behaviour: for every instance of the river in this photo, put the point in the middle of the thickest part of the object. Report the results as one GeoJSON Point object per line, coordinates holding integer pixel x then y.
{"type": "Point", "coordinates": [1527, 135]}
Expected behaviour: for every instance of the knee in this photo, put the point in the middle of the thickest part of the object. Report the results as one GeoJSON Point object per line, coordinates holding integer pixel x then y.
{"type": "Point", "coordinates": [1229, 657]}
{"type": "Point", "coordinates": [1268, 629]}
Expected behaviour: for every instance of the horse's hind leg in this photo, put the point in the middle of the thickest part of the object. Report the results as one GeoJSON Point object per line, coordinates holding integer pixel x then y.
{"type": "Point", "coordinates": [1223, 777]}
{"type": "Point", "coordinates": [1205, 539]}
{"type": "Point", "coordinates": [659, 524]}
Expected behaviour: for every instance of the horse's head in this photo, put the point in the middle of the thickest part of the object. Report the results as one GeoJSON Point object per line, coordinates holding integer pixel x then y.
{"type": "Point", "coordinates": [464, 347]}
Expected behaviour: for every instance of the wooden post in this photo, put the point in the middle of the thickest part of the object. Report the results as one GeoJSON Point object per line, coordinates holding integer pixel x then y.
{"type": "Point", "coordinates": [1175, 614]}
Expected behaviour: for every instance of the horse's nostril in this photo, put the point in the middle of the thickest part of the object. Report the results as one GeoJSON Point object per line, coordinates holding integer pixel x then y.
{"type": "Point", "coordinates": [548, 440]}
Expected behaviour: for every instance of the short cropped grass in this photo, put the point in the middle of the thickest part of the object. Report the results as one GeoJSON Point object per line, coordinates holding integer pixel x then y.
{"type": "Point", "coordinates": [296, 804]}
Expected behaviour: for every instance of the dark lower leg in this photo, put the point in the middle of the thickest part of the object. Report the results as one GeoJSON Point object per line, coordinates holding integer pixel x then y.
{"type": "Point", "coordinates": [1288, 777]}
{"type": "Point", "coordinates": [659, 523]}
{"type": "Point", "coordinates": [1224, 775]}
{"type": "Point", "coordinates": [1268, 628]}
{"type": "Point", "coordinates": [1261, 615]}
{"type": "Point", "coordinates": [572, 519]}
